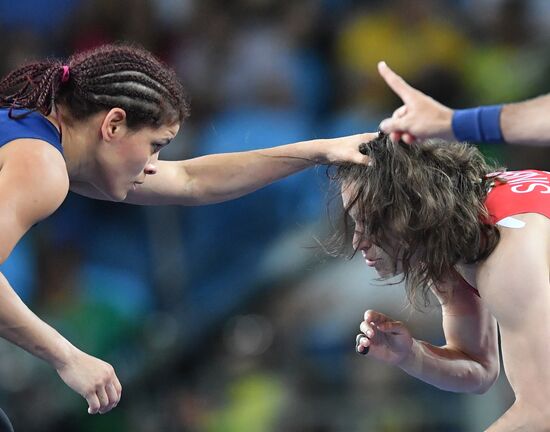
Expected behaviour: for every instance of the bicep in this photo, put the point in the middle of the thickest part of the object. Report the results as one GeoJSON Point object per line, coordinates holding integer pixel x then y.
{"type": "Point", "coordinates": [467, 323]}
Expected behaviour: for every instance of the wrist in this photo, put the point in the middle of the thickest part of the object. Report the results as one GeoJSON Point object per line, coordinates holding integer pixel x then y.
{"type": "Point", "coordinates": [319, 150]}
{"type": "Point", "coordinates": [61, 353]}
{"type": "Point", "coordinates": [445, 128]}
{"type": "Point", "coordinates": [412, 361]}
{"type": "Point", "coordinates": [480, 124]}
{"type": "Point", "coordinates": [342, 149]}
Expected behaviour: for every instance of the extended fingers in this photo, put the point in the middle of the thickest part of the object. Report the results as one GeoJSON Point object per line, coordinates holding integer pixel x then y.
{"type": "Point", "coordinates": [396, 83]}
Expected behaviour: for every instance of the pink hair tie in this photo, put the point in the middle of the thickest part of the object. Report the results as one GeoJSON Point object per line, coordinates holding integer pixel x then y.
{"type": "Point", "coordinates": [65, 76]}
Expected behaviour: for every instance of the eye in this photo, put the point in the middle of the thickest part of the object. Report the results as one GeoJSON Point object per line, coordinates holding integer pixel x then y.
{"type": "Point", "coordinates": [156, 147]}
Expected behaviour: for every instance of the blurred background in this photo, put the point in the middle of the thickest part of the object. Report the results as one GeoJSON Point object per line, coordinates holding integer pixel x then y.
{"type": "Point", "coordinates": [229, 317]}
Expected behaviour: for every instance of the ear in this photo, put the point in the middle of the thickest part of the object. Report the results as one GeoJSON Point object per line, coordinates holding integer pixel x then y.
{"type": "Point", "coordinates": [114, 124]}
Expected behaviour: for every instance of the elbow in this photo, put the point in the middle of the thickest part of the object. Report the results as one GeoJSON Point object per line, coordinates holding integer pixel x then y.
{"type": "Point", "coordinates": [490, 376]}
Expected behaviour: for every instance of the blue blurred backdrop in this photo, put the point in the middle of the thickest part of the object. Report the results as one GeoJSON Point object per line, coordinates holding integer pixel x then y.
{"type": "Point", "coordinates": [227, 317]}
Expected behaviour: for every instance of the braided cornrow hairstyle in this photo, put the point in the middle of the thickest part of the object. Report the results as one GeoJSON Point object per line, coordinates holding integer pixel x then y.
{"type": "Point", "coordinates": [106, 77]}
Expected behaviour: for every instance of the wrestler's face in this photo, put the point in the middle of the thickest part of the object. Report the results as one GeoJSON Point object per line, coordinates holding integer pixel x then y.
{"type": "Point", "coordinates": [126, 157]}
{"type": "Point", "coordinates": [377, 256]}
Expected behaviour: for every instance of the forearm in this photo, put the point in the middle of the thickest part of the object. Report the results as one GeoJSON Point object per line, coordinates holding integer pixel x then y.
{"type": "Point", "coordinates": [446, 368]}
{"type": "Point", "coordinates": [527, 122]}
{"type": "Point", "coordinates": [221, 177]}
{"type": "Point", "coordinates": [19, 325]}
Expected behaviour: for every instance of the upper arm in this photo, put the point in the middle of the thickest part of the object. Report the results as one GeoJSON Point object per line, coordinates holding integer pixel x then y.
{"type": "Point", "coordinates": [467, 323]}
{"type": "Point", "coordinates": [33, 184]}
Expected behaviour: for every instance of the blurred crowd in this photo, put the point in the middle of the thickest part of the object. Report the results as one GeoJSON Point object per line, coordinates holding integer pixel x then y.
{"type": "Point", "coordinates": [229, 317]}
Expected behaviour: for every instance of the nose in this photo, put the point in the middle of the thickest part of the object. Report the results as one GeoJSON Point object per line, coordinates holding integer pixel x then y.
{"type": "Point", "coordinates": [358, 239]}
{"type": "Point", "coordinates": [150, 169]}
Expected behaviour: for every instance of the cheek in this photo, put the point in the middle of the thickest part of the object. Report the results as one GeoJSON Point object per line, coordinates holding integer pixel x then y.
{"type": "Point", "coordinates": [137, 159]}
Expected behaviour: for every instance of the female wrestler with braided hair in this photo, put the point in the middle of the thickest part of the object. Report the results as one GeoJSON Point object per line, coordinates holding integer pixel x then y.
{"type": "Point", "coordinates": [95, 125]}
{"type": "Point", "coordinates": [436, 213]}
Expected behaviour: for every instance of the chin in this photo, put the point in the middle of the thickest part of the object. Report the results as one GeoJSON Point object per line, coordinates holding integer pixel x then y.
{"type": "Point", "coordinates": [386, 273]}
{"type": "Point", "coordinates": [116, 195]}
{"type": "Point", "coordinates": [121, 197]}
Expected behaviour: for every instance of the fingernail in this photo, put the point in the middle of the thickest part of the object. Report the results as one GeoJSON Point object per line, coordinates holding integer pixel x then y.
{"type": "Point", "coordinates": [364, 352]}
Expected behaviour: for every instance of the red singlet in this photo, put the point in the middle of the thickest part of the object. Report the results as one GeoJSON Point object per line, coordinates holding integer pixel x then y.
{"type": "Point", "coordinates": [524, 192]}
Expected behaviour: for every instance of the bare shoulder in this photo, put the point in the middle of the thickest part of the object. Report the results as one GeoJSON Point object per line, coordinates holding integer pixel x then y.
{"type": "Point", "coordinates": [518, 247]}
{"type": "Point", "coordinates": [516, 273]}
{"type": "Point", "coordinates": [34, 170]}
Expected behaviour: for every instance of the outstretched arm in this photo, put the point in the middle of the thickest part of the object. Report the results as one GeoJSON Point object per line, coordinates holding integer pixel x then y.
{"type": "Point", "coordinates": [526, 122]}
{"type": "Point", "coordinates": [468, 362]}
{"type": "Point", "coordinates": [222, 177]}
{"type": "Point", "coordinates": [421, 117]}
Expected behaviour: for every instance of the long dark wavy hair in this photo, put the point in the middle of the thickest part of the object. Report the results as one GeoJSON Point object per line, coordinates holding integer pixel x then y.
{"type": "Point", "coordinates": [122, 75]}
{"type": "Point", "coordinates": [427, 201]}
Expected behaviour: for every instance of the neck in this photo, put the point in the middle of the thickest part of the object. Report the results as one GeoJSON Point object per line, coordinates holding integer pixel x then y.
{"type": "Point", "coordinates": [76, 138]}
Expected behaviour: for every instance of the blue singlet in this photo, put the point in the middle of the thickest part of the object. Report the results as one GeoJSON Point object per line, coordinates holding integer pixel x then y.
{"type": "Point", "coordinates": [34, 126]}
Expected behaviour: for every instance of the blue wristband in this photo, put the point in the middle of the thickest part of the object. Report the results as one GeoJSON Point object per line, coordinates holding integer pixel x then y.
{"type": "Point", "coordinates": [481, 124]}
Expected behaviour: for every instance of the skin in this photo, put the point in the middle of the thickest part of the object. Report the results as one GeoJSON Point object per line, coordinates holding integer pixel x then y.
{"type": "Point", "coordinates": [513, 285]}
{"type": "Point", "coordinates": [105, 159]}
{"type": "Point", "coordinates": [421, 117]}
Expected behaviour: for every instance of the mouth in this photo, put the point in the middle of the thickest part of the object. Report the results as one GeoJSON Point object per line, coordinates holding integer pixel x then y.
{"type": "Point", "coordinates": [370, 262]}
